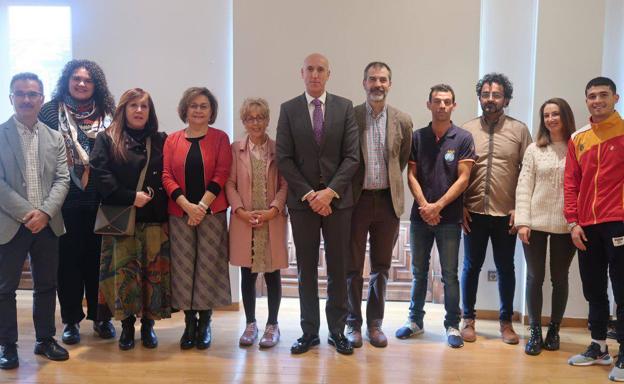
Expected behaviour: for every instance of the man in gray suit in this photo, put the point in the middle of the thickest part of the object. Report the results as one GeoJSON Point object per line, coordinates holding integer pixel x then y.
{"type": "Point", "coordinates": [385, 142]}
{"type": "Point", "coordinates": [318, 154]}
{"type": "Point", "coordinates": [34, 180]}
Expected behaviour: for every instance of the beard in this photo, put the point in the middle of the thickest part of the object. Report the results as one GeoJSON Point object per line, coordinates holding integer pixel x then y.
{"type": "Point", "coordinates": [377, 94]}
{"type": "Point", "coordinates": [491, 108]}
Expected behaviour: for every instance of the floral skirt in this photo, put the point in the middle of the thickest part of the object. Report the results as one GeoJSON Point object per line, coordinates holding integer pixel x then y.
{"type": "Point", "coordinates": [135, 277]}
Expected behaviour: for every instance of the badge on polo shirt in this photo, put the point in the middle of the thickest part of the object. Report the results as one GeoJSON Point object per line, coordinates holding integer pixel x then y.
{"type": "Point", "coordinates": [618, 241]}
{"type": "Point", "coordinates": [449, 155]}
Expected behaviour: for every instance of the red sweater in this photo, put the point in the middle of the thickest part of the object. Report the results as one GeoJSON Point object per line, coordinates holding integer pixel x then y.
{"type": "Point", "coordinates": [594, 173]}
{"type": "Point", "coordinates": [217, 156]}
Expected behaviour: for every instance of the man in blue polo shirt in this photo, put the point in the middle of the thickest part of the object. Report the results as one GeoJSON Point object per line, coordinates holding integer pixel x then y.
{"type": "Point", "coordinates": [438, 173]}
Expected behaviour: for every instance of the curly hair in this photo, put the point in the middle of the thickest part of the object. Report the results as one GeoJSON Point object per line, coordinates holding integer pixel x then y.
{"type": "Point", "coordinates": [497, 78]}
{"type": "Point", "coordinates": [104, 101]}
{"type": "Point", "coordinates": [259, 103]}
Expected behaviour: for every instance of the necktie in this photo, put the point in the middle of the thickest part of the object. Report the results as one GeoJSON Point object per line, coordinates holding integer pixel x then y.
{"type": "Point", "coordinates": [317, 120]}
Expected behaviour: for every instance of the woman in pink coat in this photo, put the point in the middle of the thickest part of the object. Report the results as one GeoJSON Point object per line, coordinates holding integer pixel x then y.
{"type": "Point", "coordinates": [258, 221]}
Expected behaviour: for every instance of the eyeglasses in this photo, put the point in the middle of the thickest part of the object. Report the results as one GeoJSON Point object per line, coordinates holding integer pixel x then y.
{"type": "Point", "coordinates": [22, 95]}
{"type": "Point", "coordinates": [256, 120]}
{"type": "Point", "coordinates": [495, 95]}
{"type": "Point", "coordinates": [202, 107]}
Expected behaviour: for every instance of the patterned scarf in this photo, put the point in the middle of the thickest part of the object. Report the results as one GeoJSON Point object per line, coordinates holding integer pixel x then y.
{"type": "Point", "coordinates": [74, 116]}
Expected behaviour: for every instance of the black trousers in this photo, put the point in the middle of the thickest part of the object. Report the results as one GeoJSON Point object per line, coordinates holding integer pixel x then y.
{"type": "Point", "coordinates": [79, 265]}
{"type": "Point", "coordinates": [561, 253]}
{"type": "Point", "coordinates": [604, 255]}
{"type": "Point", "coordinates": [306, 228]}
{"type": "Point", "coordinates": [43, 250]}
{"type": "Point", "coordinates": [373, 214]}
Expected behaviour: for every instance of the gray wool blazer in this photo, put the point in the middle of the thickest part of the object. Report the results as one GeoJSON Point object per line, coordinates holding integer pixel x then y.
{"type": "Point", "coordinates": [54, 176]}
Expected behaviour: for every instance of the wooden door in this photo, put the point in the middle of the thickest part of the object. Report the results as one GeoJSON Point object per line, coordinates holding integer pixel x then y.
{"type": "Point", "coordinates": [400, 274]}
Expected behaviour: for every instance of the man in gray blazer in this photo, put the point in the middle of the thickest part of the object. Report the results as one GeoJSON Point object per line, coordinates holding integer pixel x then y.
{"type": "Point", "coordinates": [318, 154]}
{"type": "Point", "coordinates": [385, 142]}
{"type": "Point", "coordinates": [34, 181]}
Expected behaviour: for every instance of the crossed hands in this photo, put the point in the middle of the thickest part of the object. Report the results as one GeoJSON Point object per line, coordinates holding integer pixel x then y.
{"type": "Point", "coordinates": [257, 218]}
{"type": "Point", "coordinates": [320, 201]}
{"type": "Point", "coordinates": [195, 214]}
{"type": "Point", "coordinates": [36, 220]}
{"type": "Point", "coordinates": [430, 213]}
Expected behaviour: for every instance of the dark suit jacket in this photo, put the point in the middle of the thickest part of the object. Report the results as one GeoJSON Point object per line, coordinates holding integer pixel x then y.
{"type": "Point", "coordinates": [398, 145]}
{"type": "Point", "coordinates": [305, 164]}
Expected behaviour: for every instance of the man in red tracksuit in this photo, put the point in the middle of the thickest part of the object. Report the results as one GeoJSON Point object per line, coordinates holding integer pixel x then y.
{"type": "Point", "coordinates": [594, 209]}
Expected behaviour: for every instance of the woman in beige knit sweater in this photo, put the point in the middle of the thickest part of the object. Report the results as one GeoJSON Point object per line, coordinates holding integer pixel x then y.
{"type": "Point", "coordinates": [539, 216]}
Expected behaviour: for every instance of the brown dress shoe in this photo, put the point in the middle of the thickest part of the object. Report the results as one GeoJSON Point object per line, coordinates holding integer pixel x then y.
{"type": "Point", "coordinates": [468, 332]}
{"type": "Point", "coordinates": [377, 337]}
{"type": "Point", "coordinates": [354, 335]}
{"type": "Point", "coordinates": [507, 333]}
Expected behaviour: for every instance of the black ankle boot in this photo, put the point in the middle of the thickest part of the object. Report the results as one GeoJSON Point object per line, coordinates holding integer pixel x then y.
{"type": "Point", "coordinates": [126, 339]}
{"type": "Point", "coordinates": [187, 340]}
{"type": "Point", "coordinates": [148, 337]}
{"type": "Point", "coordinates": [534, 345]}
{"type": "Point", "coordinates": [204, 334]}
{"type": "Point", "coordinates": [552, 341]}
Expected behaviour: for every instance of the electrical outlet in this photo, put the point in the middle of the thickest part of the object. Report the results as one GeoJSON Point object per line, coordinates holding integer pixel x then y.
{"type": "Point", "coordinates": [492, 276]}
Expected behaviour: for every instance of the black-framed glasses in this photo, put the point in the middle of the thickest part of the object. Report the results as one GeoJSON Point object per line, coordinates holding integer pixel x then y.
{"type": "Point", "coordinates": [22, 95]}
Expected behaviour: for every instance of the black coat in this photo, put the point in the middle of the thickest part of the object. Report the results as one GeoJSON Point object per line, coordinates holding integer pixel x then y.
{"type": "Point", "coordinates": [116, 181]}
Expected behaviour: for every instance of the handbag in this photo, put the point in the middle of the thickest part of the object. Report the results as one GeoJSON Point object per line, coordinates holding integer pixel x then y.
{"type": "Point", "coordinates": [119, 220]}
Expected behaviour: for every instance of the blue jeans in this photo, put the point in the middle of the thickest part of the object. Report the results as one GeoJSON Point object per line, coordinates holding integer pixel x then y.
{"type": "Point", "coordinates": [482, 229]}
{"type": "Point", "coordinates": [447, 237]}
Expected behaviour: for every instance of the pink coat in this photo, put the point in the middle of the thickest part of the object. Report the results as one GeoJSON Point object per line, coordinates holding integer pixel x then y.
{"type": "Point", "coordinates": [238, 192]}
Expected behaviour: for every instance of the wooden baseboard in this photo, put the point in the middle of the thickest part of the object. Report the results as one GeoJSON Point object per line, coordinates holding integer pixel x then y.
{"type": "Point", "coordinates": [489, 314]}
{"type": "Point", "coordinates": [566, 322]}
{"type": "Point", "coordinates": [234, 307]}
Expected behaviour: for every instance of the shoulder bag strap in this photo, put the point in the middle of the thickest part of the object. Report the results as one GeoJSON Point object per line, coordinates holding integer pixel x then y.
{"type": "Point", "coordinates": [148, 147]}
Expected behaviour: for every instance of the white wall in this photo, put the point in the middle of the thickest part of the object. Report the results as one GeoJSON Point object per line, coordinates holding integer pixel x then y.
{"type": "Point", "coordinates": [613, 53]}
{"type": "Point", "coordinates": [409, 36]}
{"type": "Point", "coordinates": [248, 48]}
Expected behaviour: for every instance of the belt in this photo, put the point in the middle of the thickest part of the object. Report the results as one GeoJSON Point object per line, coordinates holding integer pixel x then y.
{"type": "Point", "coordinates": [375, 191]}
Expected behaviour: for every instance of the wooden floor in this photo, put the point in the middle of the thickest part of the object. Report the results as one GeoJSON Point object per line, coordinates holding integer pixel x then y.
{"type": "Point", "coordinates": [425, 359]}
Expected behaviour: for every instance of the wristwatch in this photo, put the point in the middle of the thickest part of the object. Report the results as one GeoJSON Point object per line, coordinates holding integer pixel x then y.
{"type": "Point", "coordinates": [572, 225]}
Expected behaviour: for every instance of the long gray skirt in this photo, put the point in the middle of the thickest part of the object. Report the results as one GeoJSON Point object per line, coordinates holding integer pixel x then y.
{"type": "Point", "coordinates": [200, 276]}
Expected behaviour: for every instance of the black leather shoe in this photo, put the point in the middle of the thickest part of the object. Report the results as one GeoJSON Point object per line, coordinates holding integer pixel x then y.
{"type": "Point", "coordinates": [304, 343]}
{"type": "Point", "coordinates": [104, 329]}
{"type": "Point", "coordinates": [71, 334]}
{"type": "Point", "coordinates": [552, 340]}
{"type": "Point", "coordinates": [148, 337]}
{"type": "Point", "coordinates": [8, 356]}
{"type": "Point", "coordinates": [533, 347]}
{"type": "Point", "coordinates": [204, 334]}
{"type": "Point", "coordinates": [126, 339]}
{"type": "Point", "coordinates": [342, 344]}
{"type": "Point", "coordinates": [187, 341]}
{"type": "Point", "coordinates": [50, 349]}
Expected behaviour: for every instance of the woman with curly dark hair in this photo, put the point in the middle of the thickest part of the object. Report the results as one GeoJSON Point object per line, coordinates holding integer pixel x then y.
{"type": "Point", "coordinates": [81, 107]}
